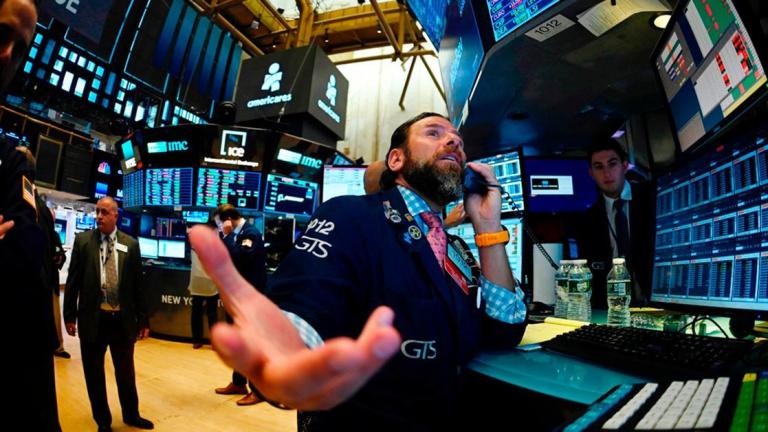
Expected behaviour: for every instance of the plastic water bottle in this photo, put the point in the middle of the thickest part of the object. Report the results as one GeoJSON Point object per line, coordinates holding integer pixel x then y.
{"type": "Point", "coordinates": [561, 289]}
{"type": "Point", "coordinates": [619, 296]}
{"type": "Point", "coordinates": [579, 292]}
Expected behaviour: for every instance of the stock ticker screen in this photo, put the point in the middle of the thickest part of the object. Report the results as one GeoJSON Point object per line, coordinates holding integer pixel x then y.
{"type": "Point", "coordinates": [133, 189]}
{"type": "Point", "coordinates": [289, 195]}
{"type": "Point", "coordinates": [508, 15]}
{"type": "Point", "coordinates": [712, 231]}
{"type": "Point", "coordinates": [514, 247]}
{"type": "Point", "coordinates": [220, 186]}
{"type": "Point", "coordinates": [168, 187]}
{"type": "Point", "coordinates": [506, 166]}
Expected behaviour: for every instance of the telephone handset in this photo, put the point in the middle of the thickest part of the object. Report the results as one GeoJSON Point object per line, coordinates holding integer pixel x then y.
{"type": "Point", "coordinates": [475, 183]}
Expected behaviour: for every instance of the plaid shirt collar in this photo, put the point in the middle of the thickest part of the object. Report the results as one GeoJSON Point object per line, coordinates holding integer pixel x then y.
{"type": "Point", "coordinates": [415, 204]}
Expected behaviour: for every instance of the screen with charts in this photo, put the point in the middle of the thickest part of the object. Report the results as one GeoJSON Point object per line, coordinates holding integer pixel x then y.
{"type": "Point", "coordinates": [148, 247]}
{"type": "Point", "coordinates": [170, 228]}
{"type": "Point", "coordinates": [170, 249]}
{"type": "Point", "coordinates": [431, 16]}
{"type": "Point", "coordinates": [289, 195]}
{"type": "Point", "coordinates": [506, 166]}
{"type": "Point", "coordinates": [220, 186]}
{"type": "Point", "coordinates": [712, 230]}
{"type": "Point", "coordinates": [514, 247]}
{"type": "Point", "coordinates": [133, 189]}
{"type": "Point", "coordinates": [195, 216]}
{"type": "Point", "coordinates": [168, 187]}
{"type": "Point", "coordinates": [508, 15]}
{"type": "Point", "coordinates": [559, 185]}
{"type": "Point", "coordinates": [338, 181]}
{"type": "Point", "coordinates": [708, 66]}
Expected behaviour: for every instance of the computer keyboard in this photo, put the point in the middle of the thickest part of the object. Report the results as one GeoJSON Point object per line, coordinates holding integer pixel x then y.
{"type": "Point", "coordinates": [652, 354]}
{"type": "Point", "coordinates": [735, 404]}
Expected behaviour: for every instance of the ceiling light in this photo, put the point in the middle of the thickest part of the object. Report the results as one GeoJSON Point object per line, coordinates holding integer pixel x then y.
{"type": "Point", "coordinates": [254, 25]}
{"type": "Point", "coordinates": [378, 28]}
{"type": "Point", "coordinates": [326, 36]}
{"type": "Point", "coordinates": [661, 21]}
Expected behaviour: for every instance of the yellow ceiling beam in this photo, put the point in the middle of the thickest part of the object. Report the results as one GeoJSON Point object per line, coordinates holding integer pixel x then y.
{"type": "Point", "coordinates": [267, 15]}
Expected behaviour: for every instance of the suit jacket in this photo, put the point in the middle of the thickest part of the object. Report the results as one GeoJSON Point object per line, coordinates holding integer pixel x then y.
{"type": "Point", "coordinates": [249, 255]}
{"type": "Point", "coordinates": [359, 253]}
{"type": "Point", "coordinates": [27, 298]}
{"type": "Point", "coordinates": [52, 245]}
{"type": "Point", "coordinates": [83, 296]}
{"type": "Point", "coordinates": [595, 244]}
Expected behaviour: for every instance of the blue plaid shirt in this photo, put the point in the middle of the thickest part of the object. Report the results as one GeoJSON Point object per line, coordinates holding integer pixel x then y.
{"type": "Point", "coordinates": [500, 303]}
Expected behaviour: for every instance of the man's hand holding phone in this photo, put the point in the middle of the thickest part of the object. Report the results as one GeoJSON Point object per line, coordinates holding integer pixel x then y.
{"type": "Point", "coordinates": [484, 210]}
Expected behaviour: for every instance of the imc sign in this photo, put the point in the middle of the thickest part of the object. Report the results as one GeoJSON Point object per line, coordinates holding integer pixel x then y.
{"type": "Point", "coordinates": [86, 17]}
{"type": "Point", "coordinates": [285, 83]}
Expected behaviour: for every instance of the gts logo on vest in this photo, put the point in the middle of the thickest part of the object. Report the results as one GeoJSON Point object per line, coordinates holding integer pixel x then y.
{"type": "Point", "coordinates": [420, 350]}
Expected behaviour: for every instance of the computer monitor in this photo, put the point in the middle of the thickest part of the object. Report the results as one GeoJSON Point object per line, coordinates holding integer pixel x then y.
{"type": "Point", "coordinates": [509, 15]}
{"type": "Point", "coordinates": [195, 216]}
{"type": "Point", "coordinates": [171, 249]}
{"type": "Point", "coordinates": [148, 247]}
{"type": "Point", "coordinates": [509, 173]}
{"type": "Point", "coordinates": [289, 195]}
{"type": "Point", "coordinates": [709, 66]}
{"type": "Point", "coordinates": [711, 251]}
{"type": "Point", "coordinates": [168, 187]}
{"type": "Point", "coordinates": [342, 180]}
{"type": "Point", "coordinates": [278, 238]}
{"type": "Point", "coordinates": [558, 185]}
{"type": "Point", "coordinates": [170, 228]}
{"type": "Point", "coordinates": [60, 226]}
{"type": "Point", "coordinates": [514, 247]}
{"type": "Point", "coordinates": [133, 189]}
{"type": "Point", "coordinates": [85, 221]}
{"type": "Point", "coordinates": [146, 225]}
{"type": "Point", "coordinates": [220, 186]}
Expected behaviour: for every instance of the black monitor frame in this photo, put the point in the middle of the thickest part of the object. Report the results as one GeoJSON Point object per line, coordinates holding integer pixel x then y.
{"type": "Point", "coordinates": [752, 25]}
{"type": "Point", "coordinates": [519, 150]}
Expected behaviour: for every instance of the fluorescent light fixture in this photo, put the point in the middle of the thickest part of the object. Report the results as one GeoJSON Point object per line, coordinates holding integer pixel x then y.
{"type": "Point", "coordinates": [661, 21]}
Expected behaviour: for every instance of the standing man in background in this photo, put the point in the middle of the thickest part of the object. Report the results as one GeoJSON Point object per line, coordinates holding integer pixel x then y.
{"type": "Point", "coordinates": [246, 249]}
{"type": "Point", "coordinates": [104, 299]}
{"type": "Point", "coordinates": [22, 242]}
{"type": "Point", "coordinates": [619, 223]}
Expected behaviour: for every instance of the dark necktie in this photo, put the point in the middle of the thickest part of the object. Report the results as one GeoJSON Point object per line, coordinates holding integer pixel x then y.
{"type": "Point", "coordinates": [110, 274]}
{"type": "Point", "coordinates": [622, 229]}
{"type": "Point", "coordinates": [436, 236]}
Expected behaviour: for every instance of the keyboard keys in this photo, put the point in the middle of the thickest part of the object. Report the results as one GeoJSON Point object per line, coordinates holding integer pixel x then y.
{"type": "Point", "coordinates": [629, 410]}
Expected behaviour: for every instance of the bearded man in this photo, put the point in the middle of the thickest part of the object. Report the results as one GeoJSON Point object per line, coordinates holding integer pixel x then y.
{"type": "Point", "coordinates": [371, 318]}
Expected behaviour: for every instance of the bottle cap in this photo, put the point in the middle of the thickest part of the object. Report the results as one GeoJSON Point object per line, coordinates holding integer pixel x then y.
{"type": "Point", "coordinates": [618, 260]}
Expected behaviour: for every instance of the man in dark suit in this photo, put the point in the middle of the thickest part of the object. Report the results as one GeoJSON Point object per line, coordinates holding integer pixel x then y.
{"type": "Point", "coordinates": [105, 300]}
{"type": "Point", "coordinates": [246, 248]}
{"type": "Point", "coordinates": [619, 223]}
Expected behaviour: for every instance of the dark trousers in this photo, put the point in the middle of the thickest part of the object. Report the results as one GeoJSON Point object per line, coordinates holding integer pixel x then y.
{"type": "Point", "coordinates": [111, 334]}
{"type": "Point", "coordinates": [211, 310]}
{"type": "Point", "coordinates": [237, 378]}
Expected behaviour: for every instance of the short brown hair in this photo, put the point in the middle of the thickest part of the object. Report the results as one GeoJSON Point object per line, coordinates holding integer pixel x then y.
{"type": "Point", "coordinates": [399, 139]}
{"type": "Point", "coordinates": [227, 212]}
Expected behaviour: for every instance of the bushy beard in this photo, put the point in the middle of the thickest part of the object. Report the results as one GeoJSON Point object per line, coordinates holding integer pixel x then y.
{"type": "Point", "coordinates": [439, 185]}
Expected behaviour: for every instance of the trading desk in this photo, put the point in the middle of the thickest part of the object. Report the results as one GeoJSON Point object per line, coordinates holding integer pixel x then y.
{"type": "Point", "coordinates": [552, 373]}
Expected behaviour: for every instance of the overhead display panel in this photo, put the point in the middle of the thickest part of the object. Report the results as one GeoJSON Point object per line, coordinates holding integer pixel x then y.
{"type": "Point", "coordinates": [431, 15]}
{"type": "Point", "coordinates": [508, 15]}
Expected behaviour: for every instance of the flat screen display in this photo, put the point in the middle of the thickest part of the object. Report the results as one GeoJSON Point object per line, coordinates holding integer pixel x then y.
{"type": "Point", "coordinates": [148, 247]}
{"type": "Point", "coordinates": [289, 195]}
{"type": "Point", "coordinates": [60, 226]}
{"type": "Point", "coordinates": [170, 249]}
{"type": "Point", "coordinates": [708, 66]}
{"type": "Point", "coordinates": [558, 185]}
{"type": "Point", "coordinates": [195, 216]}
{"type": "Point", "coordinates": [431, 16]}
{"type": "Point", "coordinates": [85, 221]}
{"type": "Point", "coordinates": [508, 15]}
{"type": "Point", "coordinates": [220, 186]}
{"type": "Point", "coordinates": [509, 173]}
{"type": "Point", "coordinates": [171, 228]}
{"type": "Point", "coordinates": [711, 247]}
{"type": "Point", "coordinates": [338, 181]}
{"type": "Point", "coordinates": [133, 189]}
{"type": "Point", "coordinates": [168, 187]}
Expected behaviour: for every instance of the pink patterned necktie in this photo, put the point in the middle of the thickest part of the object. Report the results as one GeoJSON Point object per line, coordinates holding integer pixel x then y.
{"type": "Point", "coordinates": [436, 236]}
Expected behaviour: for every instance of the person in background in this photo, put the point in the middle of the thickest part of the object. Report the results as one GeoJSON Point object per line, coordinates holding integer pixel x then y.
{"type": "Point", "coordinates": [245, 246]}
{"type": "Point", "coordinates": [204, 294]}
{"type": "Point", "coordinates": [108, 307]}
{"type": "Point", "coordinates": [31, 336]}
{"type": "Point", "coordinates": [372, 317]}
{"type": "Point", "coordinates": [619, 223]}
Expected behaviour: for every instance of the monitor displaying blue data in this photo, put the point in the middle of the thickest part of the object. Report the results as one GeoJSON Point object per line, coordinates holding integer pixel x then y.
{"type": "Point", "coordinates": [195, 216]}
{"type": "Point", "coordinates": [559, 185]}
{"type": "Point", "coordinates": [506, 167]}
{"type": "Point", "coordinates": [222, 186]}
{"type": "Point", "coordinates": [290, 195]}
{"type": "Point", "coordinates": [168, 187]}
{"type": "Point", "coordinates": [514, 247]}
{"type": "Point", "coordinates": [170, 249]}
{"type": "Point", "coordinates": [148, 247]}
{"type": "Point", "coordinates": [133, 189]}
{"type": "Point", "coordinates": [708, 65]}
{"type": "Point", "coordinates": [508, 15]}
{"type": "Point", "coordinates": [431, 16]}
{"type": "Point", "coordinates": [344, 180]}
{"type": "Point", "coordinates": [712, 230]}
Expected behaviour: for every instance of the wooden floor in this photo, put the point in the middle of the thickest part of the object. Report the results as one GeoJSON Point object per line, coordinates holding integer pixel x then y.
{"type": "Point", "coordinates": [175, 385]}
